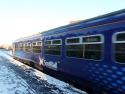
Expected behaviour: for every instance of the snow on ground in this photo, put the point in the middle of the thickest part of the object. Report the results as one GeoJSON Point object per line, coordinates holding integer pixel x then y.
{"type": "Point", "coordinates": [10, 83]}
{"type": "Point", "coordinates": [18, 78]}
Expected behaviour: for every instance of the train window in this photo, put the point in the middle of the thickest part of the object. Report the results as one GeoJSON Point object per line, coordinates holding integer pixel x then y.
{"type": "Point", "coordinates": [28, 44]}
{"type": "Point", "coordinates": [120, 47]}
{"type": "Point", "coordinates": [56, 42]}
{"type": "Point", "coordinates": [93, 51]}
{"type": "Point", "coordinates": [74, 50]}
{"type": "Point", "coordinates": [36, 47]}
{"type": "Point", "coordinates": [93, 47]}
{"type": "Point", "coordinates": [91, 39]}
{"type": "Point", "coordinates": [120, 37]}
{"type": "Point", "coordinates": [73, 40]}
{"type": "Point", "coordinates": [48, 42]}
{"type": "Point", "coordinates": [88, 47]}
{"type": "Point", "coordinates": [53, 48]}
{"type": "Point", "coordinates": [39, 43]}
{"type": "Point", "coordinates": [34, 44]}
{"type": "Point", "coordinates": [120, 52]}
{"type": "Point", "coordinates": [21, 46]}
{"type": "Point", "coordinates": [28, 47]}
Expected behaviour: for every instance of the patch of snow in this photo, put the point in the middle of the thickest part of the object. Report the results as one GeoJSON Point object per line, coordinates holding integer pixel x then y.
{"type": "Point", "coordinates": [64, 87]}
{"type": "Point", "coordinates": [10, 83]}
{"type": "Point", "coordinates": [9, 52]}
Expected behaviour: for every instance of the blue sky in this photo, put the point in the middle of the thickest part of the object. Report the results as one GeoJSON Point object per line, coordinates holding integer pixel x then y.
{"type": "Point", "coordinates": [20, 18]}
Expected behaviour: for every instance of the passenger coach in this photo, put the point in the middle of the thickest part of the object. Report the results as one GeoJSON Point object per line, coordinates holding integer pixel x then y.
{"type": "Point", "coordinates": [90, 52]}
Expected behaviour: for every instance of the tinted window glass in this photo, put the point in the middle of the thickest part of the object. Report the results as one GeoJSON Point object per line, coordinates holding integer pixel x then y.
{"type": "Point", "coordinates": [39, 43]}
{"type": "Point", "coordinates": [34, 43]}
{"type": "Point", "coordinates": [88, 50]}
{"type": "Point", "coordinates": [93, 51]}
{"type": "Point", "coordinates": [120, 52]}
{"type": "Point", "coordinates": [47, 42]}
{"type": "Point", "coordinates": [53, 49]}
{"type": "Point", "coordinates": [91, 39]}
{"type": "Point", "coordinates": [56, 42]}
{"type": "Point", "coordinates": [36, 49]}
{"type": "Point", "coordinates": [74, 51]}
{"type": "Point", "coordinates": [121, 37]}
{"type": "Point", "coordinates": [120, 48]}
{"type": "Point", "coordinates": [73, 40]}
{"type": "Point", "coordinates": [27, 48]}
{"type": "Point", "coordinates": [21, 47]}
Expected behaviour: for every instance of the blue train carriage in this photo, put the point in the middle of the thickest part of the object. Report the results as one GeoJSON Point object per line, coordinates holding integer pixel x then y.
{"type": "Point", "coordinates": [29, 50]}
{"type": "Point", "coordinates": [92, 51]}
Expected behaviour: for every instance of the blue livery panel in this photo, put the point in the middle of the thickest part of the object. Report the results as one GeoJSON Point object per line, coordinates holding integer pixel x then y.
{"type": "Point", "coordinates": [92, 51]}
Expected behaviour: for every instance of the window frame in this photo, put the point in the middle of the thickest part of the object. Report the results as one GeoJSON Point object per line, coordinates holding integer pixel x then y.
{"type": "Point", "coordinates": [27, 44]}
{"type": "Point", "coordinates": [33, 43]}
{"type": "Point", "coordinates": [114, 40]}
{"type": "Point", "coordinates": [101, 36]}
{"type": "Point", "coordinates": [36, 44]}
{"type": "Point", "coordinates": [48, 40]}
{"type": "Point", "coordinates": [20, 46]}
{"type": "Point", "coordinates": [53, 45]}
{"type": "Point", "coordinates": [56, 44]}
{"type": "Point", "coordinates": [81, 42]}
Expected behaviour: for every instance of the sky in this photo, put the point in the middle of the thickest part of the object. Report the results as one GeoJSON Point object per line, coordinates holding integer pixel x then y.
{"type": "Point", "coordinates": [21, 18]}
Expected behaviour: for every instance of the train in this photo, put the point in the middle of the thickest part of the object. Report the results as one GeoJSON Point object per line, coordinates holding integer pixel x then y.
{"type": "Point", "coordinates": [90, 52]}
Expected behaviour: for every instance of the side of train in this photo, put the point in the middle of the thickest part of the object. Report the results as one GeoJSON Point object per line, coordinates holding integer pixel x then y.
{"type": "Point", "coordinates": [90, 52]}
